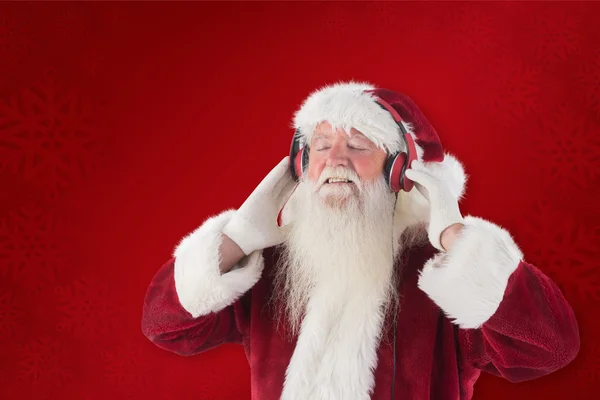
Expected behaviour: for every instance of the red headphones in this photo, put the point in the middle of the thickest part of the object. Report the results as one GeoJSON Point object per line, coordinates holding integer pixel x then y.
{"type": "Point", "coordinates": [395, 165]}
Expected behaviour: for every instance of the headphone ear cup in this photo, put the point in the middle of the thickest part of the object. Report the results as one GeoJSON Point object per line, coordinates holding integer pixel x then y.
{"type": "Point", "coordinates": [295, 157]}
{"type": "Point", "coordinates": [304, 160]}
{"type": "Point", "coordinates": [394, 171]}
{"type": "Point", "coordinates": [298, 164]}
{"type": "Point", "coordinates": [407, 184]}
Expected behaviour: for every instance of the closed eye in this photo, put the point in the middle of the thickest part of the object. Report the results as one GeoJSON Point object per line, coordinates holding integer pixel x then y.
{"type": "Point", "coordinates": [358, 148]}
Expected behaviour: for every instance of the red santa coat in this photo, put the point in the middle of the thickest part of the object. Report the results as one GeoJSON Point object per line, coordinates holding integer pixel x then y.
{"type": "Point", "coordinates": [479, 307]}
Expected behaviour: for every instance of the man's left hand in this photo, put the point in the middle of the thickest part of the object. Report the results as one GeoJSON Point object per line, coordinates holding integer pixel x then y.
{"type": "Point", "coordinates": [445, 217]}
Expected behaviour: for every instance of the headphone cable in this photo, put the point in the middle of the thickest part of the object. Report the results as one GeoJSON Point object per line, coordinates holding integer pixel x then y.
{"type": "Point", "coordinates": [396, 303]}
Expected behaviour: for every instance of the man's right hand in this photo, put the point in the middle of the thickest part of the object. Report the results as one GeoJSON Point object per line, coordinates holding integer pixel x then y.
{"type": "Point", "coordinates": [254, 225]}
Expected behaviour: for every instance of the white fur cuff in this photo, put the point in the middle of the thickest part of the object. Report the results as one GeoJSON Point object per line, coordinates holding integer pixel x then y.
{"type": "Point", "coordinates": [468, 282]}
{"type": "Point", "coordinates": [198, 281]}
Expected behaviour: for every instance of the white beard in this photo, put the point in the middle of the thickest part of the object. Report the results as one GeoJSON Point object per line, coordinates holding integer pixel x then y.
{"type": "Point", "coordinates": [340, 241]}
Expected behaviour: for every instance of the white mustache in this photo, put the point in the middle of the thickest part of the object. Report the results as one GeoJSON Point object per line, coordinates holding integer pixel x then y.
{"type": "Point", "coordinates": [338, 172]}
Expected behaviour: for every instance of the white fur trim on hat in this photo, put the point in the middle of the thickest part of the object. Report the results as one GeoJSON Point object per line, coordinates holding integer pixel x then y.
{"type": "Point", "coordinates": [346, 105]}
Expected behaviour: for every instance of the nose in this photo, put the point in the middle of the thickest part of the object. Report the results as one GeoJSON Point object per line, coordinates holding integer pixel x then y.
{"type": "Point", "coordinates": [338, 153]}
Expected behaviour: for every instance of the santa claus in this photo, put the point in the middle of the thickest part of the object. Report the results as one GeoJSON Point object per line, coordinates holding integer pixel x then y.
{"type": "Point", "coordinates": [370, 284]}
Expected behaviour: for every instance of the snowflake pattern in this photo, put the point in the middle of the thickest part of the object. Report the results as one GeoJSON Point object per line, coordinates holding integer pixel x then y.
{"type": "Point", "coordinates": [472, 29]}
{"type": "Point", "coordinates": [567, 254]}
{"type": "Point", "coordinates": [42, 363]}
{"type": "Point", "coordinates": [47, 135]}
{"type": "Point", "coordinates": [513, 88]}
{"type": "Point", "coordinates": [566, 150]}
{"type": "Point", "coordinates": [556, 36]}
{"type": "Point", "coordinates": [34, 249]}
{"type": "Point", "coordinates": [85, 309]}
{"type": "Point", "coordinates": [125, 368]}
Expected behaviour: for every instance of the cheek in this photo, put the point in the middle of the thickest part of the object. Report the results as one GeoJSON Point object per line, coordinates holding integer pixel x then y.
{"type": "Point", "coordinates": [315, 167]}
{"type": "Point", "coordinates": [370, 168]}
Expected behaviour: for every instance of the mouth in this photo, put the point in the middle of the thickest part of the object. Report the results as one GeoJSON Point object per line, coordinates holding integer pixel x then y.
{"type": "Point", "coordinates": [335, 180]}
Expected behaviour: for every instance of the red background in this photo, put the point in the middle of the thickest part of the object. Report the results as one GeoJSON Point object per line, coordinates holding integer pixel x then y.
{"type": "Point", "coordinates": [124, 125]}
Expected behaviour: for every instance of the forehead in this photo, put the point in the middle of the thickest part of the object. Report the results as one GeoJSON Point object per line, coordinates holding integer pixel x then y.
{"type": "Point", "coordinates": [325, 130]}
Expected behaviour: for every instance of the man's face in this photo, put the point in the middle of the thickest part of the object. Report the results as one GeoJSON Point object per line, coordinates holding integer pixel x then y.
{"type": "Point", "coordinates": [351, 156]}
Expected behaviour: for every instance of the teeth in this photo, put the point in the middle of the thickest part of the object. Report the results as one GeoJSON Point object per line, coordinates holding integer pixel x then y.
{"type": "Point", "coordinates": [334, 180]}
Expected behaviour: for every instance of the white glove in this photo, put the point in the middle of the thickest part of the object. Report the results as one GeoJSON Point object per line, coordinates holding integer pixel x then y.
{"type": "Point", "coordinates": [444, 210]}
{"type": "Point", "coordinates": [254, 225]}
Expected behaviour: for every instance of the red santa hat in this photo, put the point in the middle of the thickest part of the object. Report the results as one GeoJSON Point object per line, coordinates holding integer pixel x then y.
{"type": "Point", "coordinates": [351, 104]}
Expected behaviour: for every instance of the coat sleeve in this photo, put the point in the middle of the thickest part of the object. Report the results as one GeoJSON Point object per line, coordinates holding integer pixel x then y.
{"type": "Point", "coordinates": [512, 320]}
{"type": "Point", "coordinates": [190, 307]}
